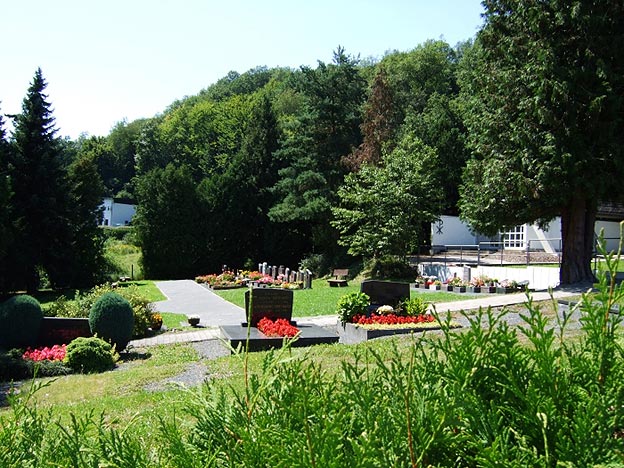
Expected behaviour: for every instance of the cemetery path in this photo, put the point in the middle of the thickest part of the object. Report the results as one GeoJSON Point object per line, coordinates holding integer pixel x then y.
{"type": "Point", "coordinates": [190, 298]}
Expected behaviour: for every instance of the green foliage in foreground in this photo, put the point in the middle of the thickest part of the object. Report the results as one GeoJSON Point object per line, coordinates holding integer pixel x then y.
{"type": "Point", "coordinates": [489, 396]}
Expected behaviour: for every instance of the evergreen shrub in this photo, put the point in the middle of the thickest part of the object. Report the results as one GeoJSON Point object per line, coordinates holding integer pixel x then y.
{"type": "Point", "coordinates": [389, 267]}
{"type": "Point", "coordinates": [112, 319]}
{"type": "Point", "coordinates": [20, 319]}
{"type": "Point", "coordinates": [90, 355]}
{"type": "Point", "coordinates": [82, 303]}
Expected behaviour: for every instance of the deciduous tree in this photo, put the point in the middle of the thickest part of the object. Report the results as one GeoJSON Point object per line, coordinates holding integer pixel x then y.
{"type": "Point", "coordinates": [382, 207]}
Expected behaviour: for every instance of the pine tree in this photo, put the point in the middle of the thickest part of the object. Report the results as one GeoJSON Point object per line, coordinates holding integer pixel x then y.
{"type": "Point", "coordinates": [39, 196]}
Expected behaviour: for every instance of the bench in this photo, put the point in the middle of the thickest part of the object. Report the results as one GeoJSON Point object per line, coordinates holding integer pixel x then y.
{"type": "Point", "coordinates": [339, 278]}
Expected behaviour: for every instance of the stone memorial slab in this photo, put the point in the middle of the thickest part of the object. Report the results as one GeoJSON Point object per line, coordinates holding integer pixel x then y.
{"type": "Point", "coordinates": [385, 292]}
{"type": "Point", "coordinates": [310, 334]}
{"type": "Point", "coordinates": [268, 302]}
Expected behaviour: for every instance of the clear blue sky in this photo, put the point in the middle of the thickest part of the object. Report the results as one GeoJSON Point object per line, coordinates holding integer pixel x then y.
{"type": "Point", "coordinates": [109, 60]}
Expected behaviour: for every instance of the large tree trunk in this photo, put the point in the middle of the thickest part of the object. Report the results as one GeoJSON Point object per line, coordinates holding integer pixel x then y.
{"type": "Point", "coordinates": [577, 231]}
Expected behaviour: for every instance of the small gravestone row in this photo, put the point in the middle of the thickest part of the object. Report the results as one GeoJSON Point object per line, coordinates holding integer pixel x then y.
{"type": "Point", "coordinates": [287, 274]}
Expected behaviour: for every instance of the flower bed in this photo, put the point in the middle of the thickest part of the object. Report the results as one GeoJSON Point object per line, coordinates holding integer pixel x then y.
{"type": "Point", "coordinates": [231, 280]}
{"type": "Point", "coordinates": [392, 319]}
{"type": "Point", "coordinates": [277, 328]}
{"type": "Point", "coordinates": [54, 353]}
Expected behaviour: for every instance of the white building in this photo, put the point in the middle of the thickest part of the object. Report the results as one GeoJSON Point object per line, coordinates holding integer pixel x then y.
{"type": "Point", "coordinates": [117, 212]}
{"type": "Point", "coordinates": [451, 232]}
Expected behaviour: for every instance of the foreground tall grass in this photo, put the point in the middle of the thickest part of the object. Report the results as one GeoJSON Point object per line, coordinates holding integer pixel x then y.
{"type": "Point", "coordinates": [489, 396]}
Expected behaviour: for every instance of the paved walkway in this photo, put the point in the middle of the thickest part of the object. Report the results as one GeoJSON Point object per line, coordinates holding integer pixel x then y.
{"type": "Point", "coordinates": [188, 297]}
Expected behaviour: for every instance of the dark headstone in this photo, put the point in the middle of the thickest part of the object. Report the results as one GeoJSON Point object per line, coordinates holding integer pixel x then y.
{"type": "Point", "coordinates": [385, 292]}
{"type": "Point", "coordinates": [269, 302]}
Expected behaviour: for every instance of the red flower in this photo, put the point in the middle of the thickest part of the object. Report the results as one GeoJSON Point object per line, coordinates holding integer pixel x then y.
{"type": "Point", "coordinates": [279, 327]}
{"type": "Point", "coordinates": [55, 353]}
{"type": "Point", "coordinates": [391, 319]}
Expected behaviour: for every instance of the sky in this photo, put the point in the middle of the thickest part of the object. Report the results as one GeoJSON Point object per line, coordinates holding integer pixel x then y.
{"type": "Point", "coordinates": [110, 60]}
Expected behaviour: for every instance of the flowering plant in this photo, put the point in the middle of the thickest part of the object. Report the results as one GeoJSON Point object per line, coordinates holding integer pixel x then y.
{"type": "Point", "coordinates": [156, 321]}
{"type": "Point", "coordinates": [392, 319]}
{"type": "Point", "coordinates": [477, 281]}
{"type": "Point", "coordinates": [456, 281]}
{"type": "Point", "coordinates": [280, 327]}
{"type": "Point", "coordinates": [55, 353]}
{"type": "Point", "coordinates": [508, 284]}
{"type": "Point", "coordinates": [385, 310]}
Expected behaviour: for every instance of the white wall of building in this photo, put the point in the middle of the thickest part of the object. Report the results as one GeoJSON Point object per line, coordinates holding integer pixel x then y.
{"type": "Point", "coordinates": [116, 214]}
{"type": "Point", "coordinates": [611, 234]}
{"type": "Point", "coordinates": [449, 230]}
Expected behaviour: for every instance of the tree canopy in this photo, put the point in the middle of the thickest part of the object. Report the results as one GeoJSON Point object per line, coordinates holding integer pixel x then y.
{"type": "Point", "coordinates": [544, 113]}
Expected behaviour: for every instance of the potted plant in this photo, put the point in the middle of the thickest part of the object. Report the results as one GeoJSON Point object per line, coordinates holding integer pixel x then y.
{"type": "Point", "coordinates": [436, 285]}
{"type": "Point", "coordinates": [476, 284]}
{"type": "Point", "coordinates": [457, 285]}
{"type": "Point", "coordinates": [507, 286]}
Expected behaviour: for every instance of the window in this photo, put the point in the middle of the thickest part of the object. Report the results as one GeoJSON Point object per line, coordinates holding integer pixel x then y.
{"type": "Point", "coordinates": [514, 238]}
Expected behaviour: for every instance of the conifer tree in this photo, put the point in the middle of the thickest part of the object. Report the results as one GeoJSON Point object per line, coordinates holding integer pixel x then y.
{"type": "Point", "coordinates": [39, 196]}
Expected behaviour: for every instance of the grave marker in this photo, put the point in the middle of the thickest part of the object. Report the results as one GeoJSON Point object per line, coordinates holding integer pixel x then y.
{"type": "Point", "coordinates": [385, 292]}
{"type": "Point", "coordinates": [270, 303]}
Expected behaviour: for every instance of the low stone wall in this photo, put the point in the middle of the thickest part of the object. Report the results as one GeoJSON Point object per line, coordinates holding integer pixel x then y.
{"type": "Point", "coordinates": [62, 330]}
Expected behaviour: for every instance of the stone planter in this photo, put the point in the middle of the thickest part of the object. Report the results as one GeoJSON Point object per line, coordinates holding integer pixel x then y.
{"type": "Point", "coordinates": [474, 289]}
{"type": "Point", "coordinates": [500, 290]}
{"type": "Point", "coordinates": [488, 289]}
{"type": "Point", "coordinates": [449, 288]}
{"type": "Point", "coordinates": [351, 333]}
{"type": "Point", "coordinates": [435, 287]}
{"type": "Point", "coordinates": [459, 289]}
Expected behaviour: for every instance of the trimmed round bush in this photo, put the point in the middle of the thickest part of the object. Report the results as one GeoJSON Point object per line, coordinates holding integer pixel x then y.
{"type": "Point", "coordinates": [20, 320]}
{"type": "Point", "coordinates": [90, 355]}
{"type": "Point", "coordinates": [112, 319]}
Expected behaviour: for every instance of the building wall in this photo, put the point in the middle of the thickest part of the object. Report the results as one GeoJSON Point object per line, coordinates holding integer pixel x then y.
{"type": "Point", "coordinates": [611, 233]}
{"type": "Point", "coordinates": [117, 214]}
{"type": "Point", "coordinates": [449, 230]}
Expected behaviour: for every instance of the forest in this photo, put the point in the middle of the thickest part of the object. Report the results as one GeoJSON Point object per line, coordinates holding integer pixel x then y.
{"type": "Point", "coordinates": [345, 162]}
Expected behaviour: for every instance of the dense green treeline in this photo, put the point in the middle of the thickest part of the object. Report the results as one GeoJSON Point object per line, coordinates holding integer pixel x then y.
{"type": "Point", "coordinates": [258, 158]}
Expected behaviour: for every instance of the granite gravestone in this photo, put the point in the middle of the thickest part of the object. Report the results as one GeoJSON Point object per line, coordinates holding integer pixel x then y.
{"type": "Point", "coordinates": [268, 302]}
{"type": "Point", "coordinates": [385, 292]}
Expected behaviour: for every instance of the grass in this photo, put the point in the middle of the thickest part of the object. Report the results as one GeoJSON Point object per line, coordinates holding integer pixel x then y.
{"type": "Point", "coordinates": [322, 299]}
{"type": "Point", "coordinates": [124, 398]}
{"type": "Point", "coordinates": [147, 288]}
{"type": "Point", "coordinates": [121, 393]}
{"type": "Point", "coordinates": [174, 321]}
{"type": "Point", "coordinates": [125, 257]}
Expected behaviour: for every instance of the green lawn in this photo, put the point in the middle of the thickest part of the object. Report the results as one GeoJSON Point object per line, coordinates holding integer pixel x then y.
{"type": "Point", "coordinates": [322, 299]}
